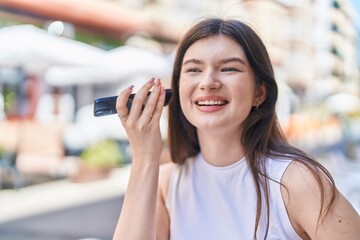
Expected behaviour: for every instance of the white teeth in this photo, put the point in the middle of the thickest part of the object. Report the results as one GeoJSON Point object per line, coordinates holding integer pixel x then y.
{"type": "Point", "coordinates": [211, 102]}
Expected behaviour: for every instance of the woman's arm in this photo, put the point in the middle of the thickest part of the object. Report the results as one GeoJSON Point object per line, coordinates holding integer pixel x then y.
{"type": "Point", "coordinates": [163, 220]}
{"type": "Point", "coordinates": [138, 214]}
{"type": "Point", "coordinates": [303, 202]}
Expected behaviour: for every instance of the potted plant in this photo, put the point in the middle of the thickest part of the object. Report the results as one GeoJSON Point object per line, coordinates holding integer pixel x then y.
{"type": "Point", "coordinates": [98, 160]}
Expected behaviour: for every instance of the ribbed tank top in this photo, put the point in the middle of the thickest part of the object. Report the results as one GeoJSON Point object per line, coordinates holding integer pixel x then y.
{"type": "Point", "coordinates": [219, 203]}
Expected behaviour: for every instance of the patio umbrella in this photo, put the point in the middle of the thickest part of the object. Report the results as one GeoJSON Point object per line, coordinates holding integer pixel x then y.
{"type": "Point", "coordinates": [34, 50]}
{"type": "Point", "coordinates": [122, 64]}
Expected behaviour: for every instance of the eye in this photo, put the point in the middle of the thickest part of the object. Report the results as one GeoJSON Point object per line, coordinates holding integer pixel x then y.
{"type": "Point", "coordinates": [230, 69]}
{"type": "Point", "coordinates": [193, 70]}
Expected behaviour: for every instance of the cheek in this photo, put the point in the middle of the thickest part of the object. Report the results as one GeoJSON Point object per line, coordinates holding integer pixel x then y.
{"type": "Point", "coordinates": [184, 92]}
{"type": "Point", "coordinates": [244, 91]}
{"type": "Point", "coordinates": [184, 103]}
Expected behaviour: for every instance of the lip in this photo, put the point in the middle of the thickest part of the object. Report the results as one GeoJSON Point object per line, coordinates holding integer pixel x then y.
{"type": "Point", "coordinates": [210, 108]}
{"type": "Point", "coordinates": [210, 98]}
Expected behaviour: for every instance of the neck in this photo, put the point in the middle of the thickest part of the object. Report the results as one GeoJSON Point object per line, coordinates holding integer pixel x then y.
{"type": "Point", "coordinates": [221, 149]}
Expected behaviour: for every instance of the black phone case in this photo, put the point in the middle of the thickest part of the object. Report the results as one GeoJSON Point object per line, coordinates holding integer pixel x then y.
{"type": "Point", "coordinates": [107, 105]}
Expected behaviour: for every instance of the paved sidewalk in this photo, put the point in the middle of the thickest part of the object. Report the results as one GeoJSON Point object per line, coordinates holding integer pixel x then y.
{"type": "Point", "coordinates": [62, 210]}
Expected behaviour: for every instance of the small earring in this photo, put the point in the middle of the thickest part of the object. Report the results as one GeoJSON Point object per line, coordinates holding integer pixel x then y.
{"type": "Point", "coordinates": [257, 106]}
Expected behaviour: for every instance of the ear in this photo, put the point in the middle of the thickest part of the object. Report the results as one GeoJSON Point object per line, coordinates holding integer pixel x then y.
{"type": "Point", "coordinates": [260, 95]}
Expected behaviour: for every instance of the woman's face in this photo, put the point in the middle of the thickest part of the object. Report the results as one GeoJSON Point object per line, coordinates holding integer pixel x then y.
{"type": "Point", "coordinates": [217, 85]}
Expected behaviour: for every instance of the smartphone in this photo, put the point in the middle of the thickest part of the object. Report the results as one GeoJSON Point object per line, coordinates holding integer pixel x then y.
{"type": "Point", "coordinates": [107, 105]}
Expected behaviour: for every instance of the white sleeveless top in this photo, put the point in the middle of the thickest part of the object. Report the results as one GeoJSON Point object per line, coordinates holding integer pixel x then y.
{"type": "Point", "coordinates": [212, 203]}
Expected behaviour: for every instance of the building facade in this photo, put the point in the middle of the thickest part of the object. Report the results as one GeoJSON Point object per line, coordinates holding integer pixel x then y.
{"type": "Point", "coordinates": [312, 43]}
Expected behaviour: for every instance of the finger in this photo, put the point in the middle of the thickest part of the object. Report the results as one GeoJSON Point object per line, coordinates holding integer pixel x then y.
{"type": "Point", "coordinates": [152, 100]}
{"type": "Point", "coordinates": [121, 101]}
{"type": "Point", "coordinates": [140, 98]}
{"type": "Point", "coordinates": [159, 105]}
{"type": "Point", "coordinates": [157, 102]}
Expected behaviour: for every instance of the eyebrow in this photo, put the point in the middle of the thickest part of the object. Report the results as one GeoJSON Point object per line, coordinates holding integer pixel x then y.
{"type": "Point", "coordinates": [233, 59]}
{"type": "Point", "coordinates": [192, 60]}
{"type": "Point", "coordinates": [222, 61]}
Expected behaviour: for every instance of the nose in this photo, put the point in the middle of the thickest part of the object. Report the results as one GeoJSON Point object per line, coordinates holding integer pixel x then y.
{"type": "Point", "coordinates": [210, 82]}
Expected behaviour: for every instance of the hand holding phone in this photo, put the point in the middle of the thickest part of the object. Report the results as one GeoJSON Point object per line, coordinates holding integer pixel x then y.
{"type": "Point", "coordinates": [107, 105]}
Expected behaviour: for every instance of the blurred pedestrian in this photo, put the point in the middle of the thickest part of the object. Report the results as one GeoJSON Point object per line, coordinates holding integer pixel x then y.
{"type": "Point", "coordinates": [56, 106]}
{"type": "Point", "coordinates": [28, 98]}
{"type": "Point", "coordinates": [233, 174]}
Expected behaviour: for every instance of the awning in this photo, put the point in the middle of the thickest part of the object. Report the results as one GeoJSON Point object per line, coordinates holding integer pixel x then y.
{"type": "Point", "coordinates": [111, 17]}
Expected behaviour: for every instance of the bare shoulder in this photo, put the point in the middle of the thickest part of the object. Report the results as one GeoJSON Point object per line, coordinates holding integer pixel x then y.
{"type": "Point", "coordinates": [315, 207]}
{"type": "Point", "coordinates": [299, 178]}
{"type": "Point", "coordinates": [302, 182]}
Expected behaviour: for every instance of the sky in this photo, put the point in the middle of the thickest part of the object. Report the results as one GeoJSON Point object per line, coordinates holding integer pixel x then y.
{"type": "Point", "coordinates": [356, 4]}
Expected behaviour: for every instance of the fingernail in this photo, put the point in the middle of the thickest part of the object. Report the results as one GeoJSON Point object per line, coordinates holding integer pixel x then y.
{"type": "Point", "coordinates": [157, 82]}
{"type": "Point", "coordinates": [130, 87]}
{"type": "Point", "coordinates": [151, 81]}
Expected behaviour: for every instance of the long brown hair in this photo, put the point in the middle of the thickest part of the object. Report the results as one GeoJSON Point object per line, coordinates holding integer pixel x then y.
{"type": "Point", "coordinates": [262, 136]}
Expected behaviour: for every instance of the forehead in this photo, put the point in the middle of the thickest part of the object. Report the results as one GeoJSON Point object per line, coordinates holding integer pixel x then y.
{"type": "Point", "coordinates": [215, 46]}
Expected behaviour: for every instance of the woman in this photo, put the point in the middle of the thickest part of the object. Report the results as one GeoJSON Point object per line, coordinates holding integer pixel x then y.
{"type": "Point", "coordinates": [233, 174]}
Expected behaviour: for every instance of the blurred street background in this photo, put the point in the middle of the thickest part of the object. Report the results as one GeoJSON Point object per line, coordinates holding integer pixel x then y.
{"type": "Point", "coordinates": [63, 172]}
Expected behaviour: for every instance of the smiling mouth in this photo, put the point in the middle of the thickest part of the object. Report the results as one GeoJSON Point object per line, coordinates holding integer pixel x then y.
{"type": "Point", "coordinates": [212, 103]}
